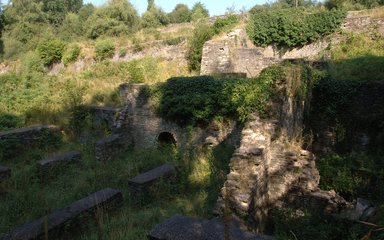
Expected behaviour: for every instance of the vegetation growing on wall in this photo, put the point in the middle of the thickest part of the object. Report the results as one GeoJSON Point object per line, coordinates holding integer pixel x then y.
{"type": "Point", "coordinates": [198, 100]}
{"type": "Point", "coordinates": [292, 27]}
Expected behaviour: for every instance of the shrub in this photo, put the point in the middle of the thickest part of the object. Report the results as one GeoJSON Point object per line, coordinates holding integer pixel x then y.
{"type": "Point", "coordinates": [201, 34]}
{"type": "Point", "coordinates": [225, 24]}
{"type": "Point", "coordinates": [292, 27]}
{"type": "Point", "coordinates": [104, 49]}
{"type": "Point", "coordinates": [71, 54]}
{"type": "Point", "coordinates": [50, 50]}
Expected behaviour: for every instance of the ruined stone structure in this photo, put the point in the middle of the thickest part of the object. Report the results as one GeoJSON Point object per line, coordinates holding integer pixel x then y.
{"type": "Point", "coordinates": [104, 115]}
{"type": "Point", "coordinates": [235, 52]}
{"type": "Point", "coordinates": [59, 160]}
{"type": "Point", "coordinates": [5, 173]}
{"type": "Point", "coordinates": [55, 224]}
{"type": "Point", "coordinates": [139, 125]}
{"type": "Point", "coordinates": [270, 169]}
{"type": "Point", "coordinates": [139, 185]}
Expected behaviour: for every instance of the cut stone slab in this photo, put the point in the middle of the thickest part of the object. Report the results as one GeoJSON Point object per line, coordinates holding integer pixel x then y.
{"type": "Point", "coordinates": [138, 186]}
{"type": "Point", "coordinates": [186, 228]}
{"type": "Point", "coordinates": [106, 198]}
{"type": "Point", "coordinates": [59, 160]}
{"type": "Point", "coordinates": [5, 173]}
{"type": "Point", "coordinates": [108, 147]}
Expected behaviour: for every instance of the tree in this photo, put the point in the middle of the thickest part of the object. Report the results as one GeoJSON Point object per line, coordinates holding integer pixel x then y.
{"type": "Point", "coordinates": [199, 11]}
{"type": "Point", "coordinates": [124, 11]}
{"type": "Point", "coordinates": [180, 13]}
{"type": "Point", "coordinates": [58, 9]}
{"type": "Point", "coordinates": [151, 4]}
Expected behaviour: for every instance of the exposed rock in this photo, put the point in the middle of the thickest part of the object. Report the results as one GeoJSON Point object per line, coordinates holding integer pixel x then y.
{"type": "Point", "coordinates": [59, 219]}
{"type": "Point", "coordinates": [186, 228]}
{"type": "Point", "coordinates": [138, 186]}
{"type": "Point", "coordinates": [5, 173]}
{"type": "Point", "coordinates": [59, 160]}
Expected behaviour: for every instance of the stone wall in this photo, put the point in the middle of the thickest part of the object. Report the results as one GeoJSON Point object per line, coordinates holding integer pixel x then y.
{"type": "Point", "coordinates": [235, 52]}
{"type": "Point", "coordinates": [270, 168]}
{"type": "Point", "coordinates": [140, 126]}
{"type": "Point", "coordinates": [101, 115]}
{"type": "Point", "coordinates": [16, 141]}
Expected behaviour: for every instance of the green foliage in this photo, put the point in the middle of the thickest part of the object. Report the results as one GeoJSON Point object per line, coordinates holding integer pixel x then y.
{"type": "Point", "coordinates": [292, 27]}
{"type": "Point", "coordinates": [71, 54]}
{"type": "Point", "coordinates": [288, 224]}
{"type": "Point", "coordinates": [180, 14]}
{"type": "Point", "coordinates": [9, 121]}
{"type": "Point", "coordinates": [153, 18]}
{"type": "Point", "coordinates": [104, 49]}
{"type": "Point", "coordinates": [358, 58]}
{"type": "Point", "coordinates": [174, 41]}
{"type": "Point", "coordinates": [353, 175]}
{"type": "Point", "coordinates": [50, 50]}
{"type": "Point", "coordinates": [56, 10]}
{"type": "Point", "coordinates": [198, 100]}
{"type": "Point", "coordinates": [199, 11]}
{"type": "Point", "coordinates": [225, 24]}
{"type": "Point", "coordinates": [201, 34]}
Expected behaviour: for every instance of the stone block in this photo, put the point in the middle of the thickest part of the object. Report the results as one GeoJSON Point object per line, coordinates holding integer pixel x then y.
{"type": "Point", "coordinates": [138, 186]}
{"type": "Point", "coordinates": [107, 148]}
{"type": "Point", "coordinates": [5, 173]}
{"type": "Point", "coordinates": [59, 160]}
{"type": "Point", "coordinates": [106, 198]}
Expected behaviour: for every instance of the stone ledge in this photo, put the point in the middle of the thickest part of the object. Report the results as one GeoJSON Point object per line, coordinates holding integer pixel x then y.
{"type": "Point", "coordinates": [59, 160]}
{"type": "Point", "coordinates": [60, 218]}
{"type": "Point", "coordinates": [5, 173]}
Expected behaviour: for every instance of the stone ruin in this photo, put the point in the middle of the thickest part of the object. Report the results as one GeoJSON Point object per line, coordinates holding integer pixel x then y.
{"type": "Point", "coordinates": [59, 160]}
{"type": "Point", "coordinates": [56, 223]}
{"type": "Point", "coordinates": [139, 185]}
{"type": "Point", "coordinates": [235, 54]}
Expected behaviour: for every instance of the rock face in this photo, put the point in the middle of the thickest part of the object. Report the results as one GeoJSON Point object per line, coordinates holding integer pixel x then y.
{"type": "Point", "coordinates": [59, 160]}
{"type": "Point", "coordinates": [5, 173]}
{"type": "Point", "coordinates": [138, 186]}
{"type": "Point", "coordinates": [235, 53]}
{"type": "Point", "coordinates": [187, 228]}
{"type": "Point", "coordinates": [59, 219]}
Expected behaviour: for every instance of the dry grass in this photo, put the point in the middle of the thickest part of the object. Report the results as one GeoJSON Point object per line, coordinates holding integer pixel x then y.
{"type": "Point", "coordinates": [372, 13]}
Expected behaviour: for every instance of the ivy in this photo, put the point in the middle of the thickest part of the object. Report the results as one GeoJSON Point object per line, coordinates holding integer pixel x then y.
{"type": "Point", "coordinates": [292, 27]}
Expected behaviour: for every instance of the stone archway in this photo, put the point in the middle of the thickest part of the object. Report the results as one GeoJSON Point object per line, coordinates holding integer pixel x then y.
{"type": "Point", "coordinates": [166, 138]}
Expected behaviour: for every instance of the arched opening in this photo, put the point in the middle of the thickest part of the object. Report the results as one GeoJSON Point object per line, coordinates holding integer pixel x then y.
{"type": "Point", "coordinates": [166, 138]}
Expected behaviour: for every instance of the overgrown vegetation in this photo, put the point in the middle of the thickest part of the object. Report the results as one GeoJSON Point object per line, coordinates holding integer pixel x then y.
{"type": "Point", "coordinates": [198, 100]}
{"type": "Point", "coordinates": [292, 27]}
{"type": "Point", "coordinates": [203, 33]}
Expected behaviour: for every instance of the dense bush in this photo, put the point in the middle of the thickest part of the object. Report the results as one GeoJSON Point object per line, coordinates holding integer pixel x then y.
{"type": "Point", "coordinates": [51, 50]}
{"type": "Point", "coordinates": [292, 27]}
{"type": "Point", "coordinates": [353, 175]}
{"type": "Point", "coordinates": [180, 14]}
{"type": "Point", "coordinates": [201, 34]}
{"type": "Point", "coordinates": [104, 49]}
{"type": "Point", "coordinates": [71, 54]}
{"type": "Point", "coordinates": [225, 24]}
{"type": "Point", "coordinates": [198, 100]}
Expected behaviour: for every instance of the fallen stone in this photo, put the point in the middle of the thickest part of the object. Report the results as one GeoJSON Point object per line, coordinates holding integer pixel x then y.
{"type": "Point", "coordinates": [59, 160]}
{"type": "Point", "coordinates": [186, 228]}
{"type": "Point", "coordinates": [106, 198]}
{"type": "Point", "coordinates": [138, 186]}
{"type": "Point", "coordinates": [5, 173]}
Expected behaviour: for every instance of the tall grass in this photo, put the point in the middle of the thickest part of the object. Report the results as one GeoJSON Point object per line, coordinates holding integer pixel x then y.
{"type": "Point", "coordinates": [27, 195]}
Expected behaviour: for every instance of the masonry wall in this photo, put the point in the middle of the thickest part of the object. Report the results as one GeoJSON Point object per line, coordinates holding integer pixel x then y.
{"type": "Point", "coordinates": [235, 52]}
